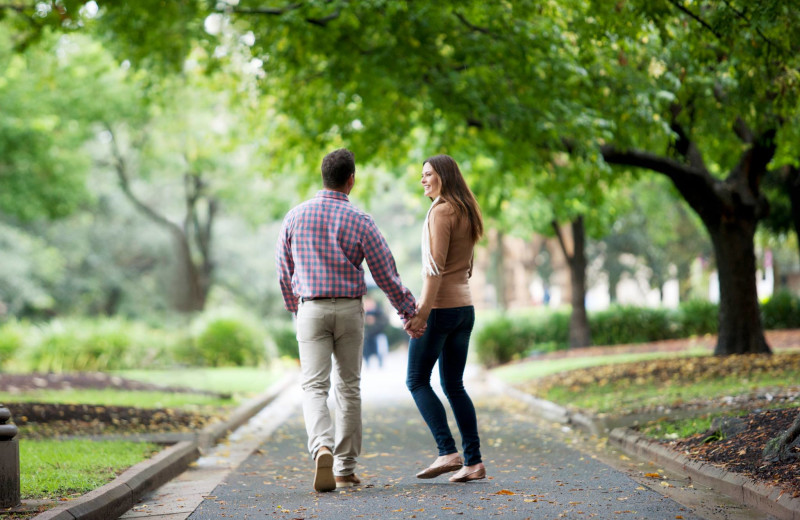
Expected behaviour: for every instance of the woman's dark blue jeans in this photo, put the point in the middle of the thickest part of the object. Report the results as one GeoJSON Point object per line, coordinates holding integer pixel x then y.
{"type": "Point", "coordinates": [446, 340]}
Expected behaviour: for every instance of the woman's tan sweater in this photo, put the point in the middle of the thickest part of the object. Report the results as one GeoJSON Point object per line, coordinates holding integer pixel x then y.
{"type": "Point", "coordinates": [451, 248]}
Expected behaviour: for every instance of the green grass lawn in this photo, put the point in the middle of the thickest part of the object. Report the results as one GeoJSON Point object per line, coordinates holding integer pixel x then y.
{"type": "Point", "coordinates": [112, 397]}
{"type": "Point", "coordinates": [630, 387]}
{"type": "Point", "coordinates": [55, 469]}
{"type": "Point", "coordinates": [238, 382]}
{"type": "Point", "coordinates": [621, 396]}
{"type": "Point", "coordinates": [228, 380]}
{"type": "Point", "coordinates": [514, 373]}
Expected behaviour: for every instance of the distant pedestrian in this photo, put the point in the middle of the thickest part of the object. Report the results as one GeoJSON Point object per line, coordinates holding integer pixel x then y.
{"type": "Point", "coordinates": [375, 322]}
{"type": "Point", "coordinates": [322, 245]}
{"type": "Point", "coordinates": [451, 229]}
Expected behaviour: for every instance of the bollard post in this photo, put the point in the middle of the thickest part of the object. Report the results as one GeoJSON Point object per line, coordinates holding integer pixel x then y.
{"type": "Point", "coordinates": [9, 461]}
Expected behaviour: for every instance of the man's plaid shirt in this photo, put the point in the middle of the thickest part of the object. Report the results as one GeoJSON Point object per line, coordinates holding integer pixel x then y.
{"type": "Point", "coordinates": [322, 244]}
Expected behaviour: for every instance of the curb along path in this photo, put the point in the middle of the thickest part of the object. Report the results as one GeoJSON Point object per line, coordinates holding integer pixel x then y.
{"type": "Point", "coordinates": [768, 499]}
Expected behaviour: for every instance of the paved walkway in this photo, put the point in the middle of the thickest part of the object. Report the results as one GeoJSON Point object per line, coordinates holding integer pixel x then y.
{"type": "Point", "coordinates": [536, 470]}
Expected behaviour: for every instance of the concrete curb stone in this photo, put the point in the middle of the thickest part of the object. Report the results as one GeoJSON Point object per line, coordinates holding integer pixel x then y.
{"type": "Point", "coordinates": [769, 499]}
{"type": "Point", "coordinates": [118, 496]}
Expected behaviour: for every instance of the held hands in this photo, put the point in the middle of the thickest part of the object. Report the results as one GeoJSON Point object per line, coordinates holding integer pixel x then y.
{"type": "Point", "coordinates": [415, 327]}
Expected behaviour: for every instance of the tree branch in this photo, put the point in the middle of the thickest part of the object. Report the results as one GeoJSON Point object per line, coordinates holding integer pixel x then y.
{"type": "Point", "coordinates": [750, 24]}
{"type": "Point", "coordinates": [274, 11]}
{"type": "Point", "coordinates": [695, 18]}
{"type": "Point", "coordinates": [121, 168]}
{"type": "Point", "coordinates": [743, 131]}
{"type": "Point", "coordinates": [752, 166]}
{"type": "Point", "coordinates": [561, 242]}
{"type": "Point", "coordinates": [322, 22]}
{"type": "Point", "coordinates": [698, 187]}
{"type": "Point", "coordinates": [278, 11]}
{"type": "Point", "coordinates": [14, 7]}
{"type": "Point", "coordinates": [684, 145]}
{"type": "Point", "coordinates": [471, 26]}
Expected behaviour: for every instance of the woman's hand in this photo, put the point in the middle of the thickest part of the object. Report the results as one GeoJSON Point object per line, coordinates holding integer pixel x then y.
{"type": "Point", "coordinates": [415, 327]}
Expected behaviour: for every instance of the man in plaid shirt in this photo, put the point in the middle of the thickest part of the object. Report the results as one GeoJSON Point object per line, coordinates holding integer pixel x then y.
{"type": "Point", "coordinates": [322, 244]}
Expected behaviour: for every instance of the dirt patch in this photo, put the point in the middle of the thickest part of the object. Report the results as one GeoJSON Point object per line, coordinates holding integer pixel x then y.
{"type": "Point", "coordinates": [742, 452]}
{"type": "Point", "coordinates": [17, 383]}
{"type": "Point", "coordinates": [39, 420]}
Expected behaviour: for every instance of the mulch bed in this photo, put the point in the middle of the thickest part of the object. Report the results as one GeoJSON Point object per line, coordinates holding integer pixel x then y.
{"type": "Point", "coordinates": [15, 383]}
{"type": "Point", "coordinates": [743, 452]}
{"type": "Point", "coordinates": [39, 420]}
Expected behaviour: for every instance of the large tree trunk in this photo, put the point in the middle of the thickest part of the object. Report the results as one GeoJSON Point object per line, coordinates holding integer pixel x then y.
{"type": "Point", "coordinates": [740, 328]}
{"type": "Point", "coordinates": [730, 211]}
{"type": "Point", "coordinates": [793, 187]}
{"type": "Point", "coordinates": [193, 280]}
{"type": "Point", "coordinates": [189, 292]}
{"type": "Point", "coordinates": [580, 334]}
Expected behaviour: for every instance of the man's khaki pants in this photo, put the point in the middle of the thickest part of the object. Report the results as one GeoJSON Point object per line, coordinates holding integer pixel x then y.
{"type": "Point", "coordinates": [332, 328]}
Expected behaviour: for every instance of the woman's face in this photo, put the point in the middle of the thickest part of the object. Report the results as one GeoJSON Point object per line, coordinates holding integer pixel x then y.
{"type": "Point", "coordinates": [431, 182]}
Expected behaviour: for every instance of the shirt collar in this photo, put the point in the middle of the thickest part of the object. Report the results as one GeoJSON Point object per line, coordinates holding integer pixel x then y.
{"type": "Point", "coordinates": [331, 194]}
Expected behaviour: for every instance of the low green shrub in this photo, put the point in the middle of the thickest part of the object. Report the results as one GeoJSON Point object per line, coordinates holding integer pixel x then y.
{"type": "Point", "coordinates": [696, 318]}
{"type": "Point", "coordinates": [85, 345]}
{"type": "Point", "coordinates": [504, 338]}
{"type": "Point", "coordinates": [628, 324]}
{"type": "Point", "coordinates": [12, 340]}
{"type": "Point", "coordinates": [230, 341]}
{"type": "Point", "coordinates": [94, 344]}
{"type": "Point", "coordinates": [285, 338]}
{"type": "Point", "coordinates": [781, 311]}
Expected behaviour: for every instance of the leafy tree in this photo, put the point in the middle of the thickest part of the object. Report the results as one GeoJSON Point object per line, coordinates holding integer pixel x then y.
{"type": "Point", "coordinates": [695, 93]}
{"type": "Point", "coordinates": [711, 83]}
{"type": "Point", "coordinates": [51, 95]}
{"type": "Point", "coordinates": [191, 139]}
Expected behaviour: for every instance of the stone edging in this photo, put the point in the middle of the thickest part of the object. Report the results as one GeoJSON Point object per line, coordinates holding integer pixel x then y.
{"type": "Point", "coordinates": [769, 499]}
{"type": "Point", "coordinates": [118, 496]}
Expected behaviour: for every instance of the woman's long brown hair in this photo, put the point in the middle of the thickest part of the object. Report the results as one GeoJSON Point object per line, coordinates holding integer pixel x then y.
{"type": "Point", "coordinates": [457, 193]}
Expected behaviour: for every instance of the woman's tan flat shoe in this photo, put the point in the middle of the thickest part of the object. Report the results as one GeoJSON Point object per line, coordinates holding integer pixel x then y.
{"type": "Point", "coordinates": [466, 475]}
{"type": "Point", "coordinates": [454, 464]}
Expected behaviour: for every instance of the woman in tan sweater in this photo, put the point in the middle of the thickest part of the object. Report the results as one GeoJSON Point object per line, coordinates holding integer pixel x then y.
{"type": "Point", "coordinates": [452, 227]}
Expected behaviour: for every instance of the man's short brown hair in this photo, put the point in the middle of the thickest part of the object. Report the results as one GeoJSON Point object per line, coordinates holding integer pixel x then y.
{"type": "Point", "coordinates": [337, 167]}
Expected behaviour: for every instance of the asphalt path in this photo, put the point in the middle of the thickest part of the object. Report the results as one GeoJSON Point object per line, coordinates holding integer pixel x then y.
{"type": "Point", "coordinates": [534, 472]}
{"type": "Point", "coordinates": [536, 469]}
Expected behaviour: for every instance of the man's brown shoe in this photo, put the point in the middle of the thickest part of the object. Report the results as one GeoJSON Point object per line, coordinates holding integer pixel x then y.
{"type": "Point", "coordinates": [323, 474]}
{"type": "Point", "coordinates": [347, 481]}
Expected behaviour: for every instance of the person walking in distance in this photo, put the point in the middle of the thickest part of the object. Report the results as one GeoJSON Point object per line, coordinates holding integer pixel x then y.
{"type": "Point", "coordinates": [322, 245]}
{"type": "Point", "coordinates": [451, 229]}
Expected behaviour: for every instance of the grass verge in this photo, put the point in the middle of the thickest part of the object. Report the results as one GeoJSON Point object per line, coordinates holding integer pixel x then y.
{"type": "Point", "coordinates": [228, 380]}
{"type": "Point", "coordinates": [515, 373]}
{"type": "Point", "coordinates": [628, 383]}
{"type": "Point", "coordinates": [56, 469]}
{"type": "Point", "coordinates": [113, 397]}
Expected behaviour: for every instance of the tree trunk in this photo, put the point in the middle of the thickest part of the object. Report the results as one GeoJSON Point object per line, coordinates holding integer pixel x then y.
{"type": "Point", "coordinates": [740, 328]}
{"type": "Point", "coordinates": [730, 211]}
{"type": "Point", "coordinates": [193, 281]}
{"type": "Point", "coordinates": [793, 187]}
{"type": "Point", "coordinates": [189, 292]}
{"type": "Point", "coordinates": [580, 334]}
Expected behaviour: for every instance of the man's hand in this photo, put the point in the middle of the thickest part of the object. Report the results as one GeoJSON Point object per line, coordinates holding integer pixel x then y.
{"type": "Point", "coordinates": [415, 327]}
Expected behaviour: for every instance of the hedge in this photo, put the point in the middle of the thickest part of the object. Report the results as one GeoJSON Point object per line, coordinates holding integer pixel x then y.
{"type": "Point", "coordinates": [505, 338]}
